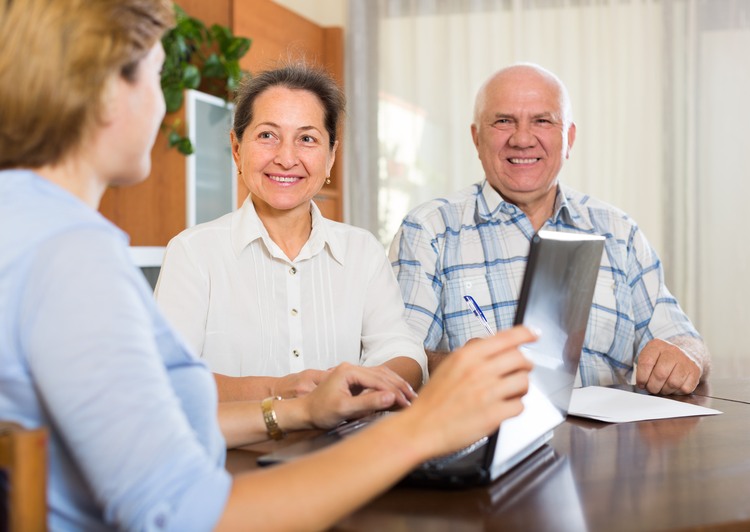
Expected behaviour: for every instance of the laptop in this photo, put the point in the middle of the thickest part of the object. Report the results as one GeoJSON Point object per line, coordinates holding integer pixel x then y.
{"type": "Point", "coordinates": [556, 295]}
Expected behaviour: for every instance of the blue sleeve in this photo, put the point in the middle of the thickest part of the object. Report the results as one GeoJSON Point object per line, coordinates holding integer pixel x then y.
{"type": "Point", "coordinates": [657, 314]}
{"type": "Point", "coordinates": [89, 338]}
{"type": "Point", "coordinates": [415, 263]}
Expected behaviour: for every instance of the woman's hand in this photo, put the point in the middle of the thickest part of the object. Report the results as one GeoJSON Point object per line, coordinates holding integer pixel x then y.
{"type": "Point", "coordinates": [298, 384]}
{"type": "Point", "coordinates": [350, 392]}
{"type": "Point", "coordinates": [471, 393]}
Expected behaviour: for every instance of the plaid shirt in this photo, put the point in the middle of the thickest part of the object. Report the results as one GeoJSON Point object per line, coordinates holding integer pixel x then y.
{"type": "Point", "coordinates": [476, 243]}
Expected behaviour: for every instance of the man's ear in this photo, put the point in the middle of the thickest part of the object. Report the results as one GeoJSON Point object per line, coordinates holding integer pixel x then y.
{"type": "Point", "coordinates": [571, 138]}
{"type": "Point", "coordinates": [475, 135]}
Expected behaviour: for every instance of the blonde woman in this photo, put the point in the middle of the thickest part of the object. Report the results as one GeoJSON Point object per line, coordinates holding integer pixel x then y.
{"type": "Point", "coordinates": [136, 439]}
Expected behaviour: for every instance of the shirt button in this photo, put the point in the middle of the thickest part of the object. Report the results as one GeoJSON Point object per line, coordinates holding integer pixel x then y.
{"type": "Point", "coordinates": [296, 353]}
{"type": "Point", "coordinates": [292, 270]}
{"type": "Point", "coordinates": [294, 312]}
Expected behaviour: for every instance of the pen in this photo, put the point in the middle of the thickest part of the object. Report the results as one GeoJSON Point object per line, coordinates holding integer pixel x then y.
{"type": "Point", "coordinates": [478, 313]}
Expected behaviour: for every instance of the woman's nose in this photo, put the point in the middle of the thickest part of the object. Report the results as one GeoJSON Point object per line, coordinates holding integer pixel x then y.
{"type": "Point", "coordinates": [286, 155]}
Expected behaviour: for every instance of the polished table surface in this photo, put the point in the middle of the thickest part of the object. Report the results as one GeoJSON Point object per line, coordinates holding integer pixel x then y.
{"type": "Point", "coordinates": [671, 474]}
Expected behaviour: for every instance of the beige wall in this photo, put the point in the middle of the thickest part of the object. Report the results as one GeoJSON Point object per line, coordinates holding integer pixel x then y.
{"type": "Point", "coordinates": [321, 12]}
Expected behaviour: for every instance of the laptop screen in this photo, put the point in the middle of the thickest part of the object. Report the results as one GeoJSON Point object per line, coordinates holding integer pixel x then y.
{"type": "Point", "coordinates": [555, 299]}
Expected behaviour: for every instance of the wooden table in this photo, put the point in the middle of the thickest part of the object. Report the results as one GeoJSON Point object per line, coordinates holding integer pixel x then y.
{"type": "Point", "coordinates": [673, 474]}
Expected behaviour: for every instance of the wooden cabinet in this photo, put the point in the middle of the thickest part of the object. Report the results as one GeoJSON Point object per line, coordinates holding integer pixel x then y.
{"type": "Point", "coordinates": [154, 211]}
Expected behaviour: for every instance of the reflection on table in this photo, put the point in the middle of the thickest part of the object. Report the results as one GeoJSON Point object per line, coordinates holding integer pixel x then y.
{"type": "Point", "coordinates": [682, 473]}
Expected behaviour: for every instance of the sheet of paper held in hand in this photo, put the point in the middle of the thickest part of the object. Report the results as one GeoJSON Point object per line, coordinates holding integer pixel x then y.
{"type": "Point", "coordinates": [620, 406]}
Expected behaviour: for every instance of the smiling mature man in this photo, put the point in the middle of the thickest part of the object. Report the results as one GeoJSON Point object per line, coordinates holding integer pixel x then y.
{"type": "Point", "coordinates": [476, 242]}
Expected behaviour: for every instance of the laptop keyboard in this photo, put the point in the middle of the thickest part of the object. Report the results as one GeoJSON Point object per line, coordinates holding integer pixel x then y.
{"type": "Point", "coordinates": [441, 461]}
{"type": "Point", "coordinates": [438, 462]}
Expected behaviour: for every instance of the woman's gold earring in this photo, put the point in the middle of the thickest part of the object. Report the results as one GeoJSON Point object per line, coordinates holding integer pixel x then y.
{"type": "Point", "coordinates": [328, 180]}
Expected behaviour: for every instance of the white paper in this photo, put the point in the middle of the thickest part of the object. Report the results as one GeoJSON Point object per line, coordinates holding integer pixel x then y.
{"type": "Point", "coordinates": [620, 406]}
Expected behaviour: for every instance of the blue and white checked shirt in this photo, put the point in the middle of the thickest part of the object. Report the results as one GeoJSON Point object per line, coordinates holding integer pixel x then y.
{"type": "Point", "coordinates": [476, 243]}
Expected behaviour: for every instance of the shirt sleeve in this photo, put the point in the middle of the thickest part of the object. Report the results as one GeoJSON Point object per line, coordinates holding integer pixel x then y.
{"type": "Point", "coordinates": [385, 333]}
{"type": "Point", "coordinates": [91, 350]}
{"type": "Point", "coordinates": [415, 262]}
{"type": "Point", "coordinates": [182, 293]}
{"type": "Point", "coordinates": [657, 312]}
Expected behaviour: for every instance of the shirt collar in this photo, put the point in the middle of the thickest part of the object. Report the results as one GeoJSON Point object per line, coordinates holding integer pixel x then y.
{"type": "Point", "coordinates": [566, 213]}
{"type": "Point", "coordinates": [247, 227]}
{"type": "Point", "coordinates": [490, 204]}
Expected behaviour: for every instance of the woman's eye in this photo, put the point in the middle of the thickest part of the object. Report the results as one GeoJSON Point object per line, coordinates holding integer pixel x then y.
{"type": "Point", "coordinates": [307, 139]}
{"type": "Point", "coordinates": [265, 135]}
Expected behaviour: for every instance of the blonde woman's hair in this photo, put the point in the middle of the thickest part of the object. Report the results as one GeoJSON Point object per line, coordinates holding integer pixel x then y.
{"type": "Point", "coordinates": [56, 58]}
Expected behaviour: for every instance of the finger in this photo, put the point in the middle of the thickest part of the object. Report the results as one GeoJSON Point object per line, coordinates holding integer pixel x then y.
{"type": "Point", "coordinates": [513, 386]}
{"type": "Point", "coordinates": [365, 404]}
{"type": "Point", "coordinates": [657, 381]}
{"type": "Point", "coordinates": [505, 340]}
{"type": "Point", "coordinates": [510, 362]}
{"type": "Point", "coordinates": [395, 379]}
{"type": "Point", "coordinates": [476, 355]}
{"type": "Point", "coordinates": [318, 375]}
{"type": "Point", "coordinates": [397, 382]}
{"type": "Point", "coordinates": [683, 379]}
{"type": "Point", "coordinates": [646, 363]}
{"type": "Point", "coordinates": [378, 380]}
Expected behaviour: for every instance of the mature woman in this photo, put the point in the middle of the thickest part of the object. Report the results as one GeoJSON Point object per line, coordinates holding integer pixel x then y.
{"type": "Point", "coordinates": [135, 439]}
{"type": "Point", "coordinates": [273, 294]}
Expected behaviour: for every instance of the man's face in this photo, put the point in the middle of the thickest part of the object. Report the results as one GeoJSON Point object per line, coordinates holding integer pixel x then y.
{"type": "Point", "coordinates": [521, 137]}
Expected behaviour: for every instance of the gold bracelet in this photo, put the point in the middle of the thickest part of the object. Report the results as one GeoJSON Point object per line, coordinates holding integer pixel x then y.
{"type": "Point", "coordinates": [269, 417]}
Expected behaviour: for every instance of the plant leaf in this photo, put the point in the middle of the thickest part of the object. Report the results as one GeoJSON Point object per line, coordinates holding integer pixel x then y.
{"type": "Point", "coordinates": [213, 67]}
{"type": "Point", "coordinates": [191, 77]}
{"type": "Point", "coordinates": [173, 97]}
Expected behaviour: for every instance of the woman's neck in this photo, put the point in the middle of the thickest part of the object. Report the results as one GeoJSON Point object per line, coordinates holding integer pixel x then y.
{"type": "Point", "coordinates": [77, 177]}
{"type": "Point", "coordinates": [290, 230]}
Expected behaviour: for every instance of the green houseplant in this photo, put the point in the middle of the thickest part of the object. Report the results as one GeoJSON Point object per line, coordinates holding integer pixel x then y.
{"type": "Point", "coordinates": [198, 57]}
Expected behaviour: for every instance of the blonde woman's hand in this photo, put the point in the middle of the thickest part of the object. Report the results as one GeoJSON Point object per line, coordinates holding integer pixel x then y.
{"type": "Point", "coordinates": [471, 393]}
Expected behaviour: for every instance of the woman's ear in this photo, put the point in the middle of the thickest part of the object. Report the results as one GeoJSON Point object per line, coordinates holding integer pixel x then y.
{"type": "Point", "coordinates": [110, 103]}
{"type": "Point", "coordinates": [331, 158]}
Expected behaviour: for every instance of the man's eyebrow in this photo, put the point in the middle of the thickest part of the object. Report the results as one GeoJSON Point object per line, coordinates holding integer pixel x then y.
{"type": "Point", "coordinates": [547, 114]}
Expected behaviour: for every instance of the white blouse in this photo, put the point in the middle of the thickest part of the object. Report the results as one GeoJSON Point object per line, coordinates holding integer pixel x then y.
{"type": "Point", "coordinates": [249, 310]}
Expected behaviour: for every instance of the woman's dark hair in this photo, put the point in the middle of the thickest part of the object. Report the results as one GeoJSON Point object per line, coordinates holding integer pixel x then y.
{"type": "Point", "coordinates": [298, 76]}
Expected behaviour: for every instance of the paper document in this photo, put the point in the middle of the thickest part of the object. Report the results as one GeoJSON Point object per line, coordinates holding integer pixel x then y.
{"type": "Point", "coordinates": [621, 406]}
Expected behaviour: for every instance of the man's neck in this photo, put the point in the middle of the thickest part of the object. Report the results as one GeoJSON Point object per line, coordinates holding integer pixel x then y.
{"type": "Point", "coordinates": [538, 209]}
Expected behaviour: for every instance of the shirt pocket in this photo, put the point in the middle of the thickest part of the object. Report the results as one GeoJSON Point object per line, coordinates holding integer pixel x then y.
{"type": "Point", "coordinates": [600, 333]}
{"type": "Point", "coordinates": [495, 293]}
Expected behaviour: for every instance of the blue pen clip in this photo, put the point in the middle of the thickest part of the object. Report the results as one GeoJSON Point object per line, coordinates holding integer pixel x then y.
{"type": "Point", "coordinates": [479, 314]}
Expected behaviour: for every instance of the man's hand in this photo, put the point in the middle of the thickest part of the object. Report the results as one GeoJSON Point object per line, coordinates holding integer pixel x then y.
{"type": "Point", "coordinates": [665, 369]}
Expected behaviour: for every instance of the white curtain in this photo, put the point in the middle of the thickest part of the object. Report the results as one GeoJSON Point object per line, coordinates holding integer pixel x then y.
{"type": "Point", "coordinates": [660, 98]}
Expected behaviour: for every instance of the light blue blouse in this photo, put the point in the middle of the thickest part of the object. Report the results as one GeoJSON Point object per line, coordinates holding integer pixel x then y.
{"type": "Point", "coordinates": [134, 439]}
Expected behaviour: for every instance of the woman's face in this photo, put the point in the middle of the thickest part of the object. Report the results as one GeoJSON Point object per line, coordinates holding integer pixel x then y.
{"type": "Point", "coordinates": [133, 112]}
{"type": "Point", "coordinates": [284, 156]}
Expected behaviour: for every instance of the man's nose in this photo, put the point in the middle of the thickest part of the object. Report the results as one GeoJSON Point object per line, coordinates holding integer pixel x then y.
{"type": "Point", "coordinates": [523, 136]}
